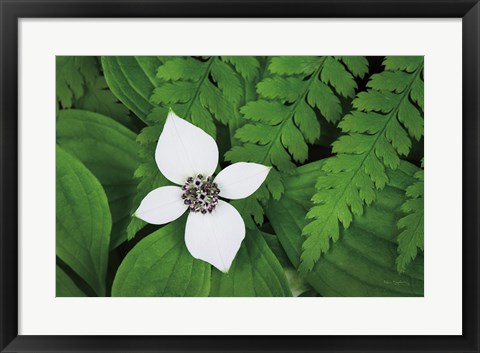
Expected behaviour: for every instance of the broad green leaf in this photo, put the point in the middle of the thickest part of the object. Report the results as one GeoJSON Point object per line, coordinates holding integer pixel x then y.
{"type": "Point", "coordinates": [296, 282]}
{"type": "Point", "coordinates": [276, 247]}
{"type": "Point", "coordinates": [362, 261]}
{"type": "Point", "coordinates": [161, 266]}
{"type": "Point", "coordinates": [65, 287]}
{"type": "Point", "coordinates": [83, 221]}
{"type": "Point", "coordinates": [255, 272]}
{"type": "Point", "coordinates": [132, 80]}
{"type": "Point", "coordinates": [109, 151]}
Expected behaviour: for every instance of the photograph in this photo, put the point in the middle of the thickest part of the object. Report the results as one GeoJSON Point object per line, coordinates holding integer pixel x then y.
{"type": "Point", "coordinates": [258, 176]}
{"type": "Point", "coordinates": [239, 176]}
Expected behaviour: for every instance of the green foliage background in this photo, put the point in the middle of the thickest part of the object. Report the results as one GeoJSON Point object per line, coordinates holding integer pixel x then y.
{"type": "Point", "coordinates": [341, 212]}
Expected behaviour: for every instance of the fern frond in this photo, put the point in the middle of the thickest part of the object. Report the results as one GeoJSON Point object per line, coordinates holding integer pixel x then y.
{"type": "Point", "coordinates": [199, 91]}
{"type": "Point", "coordinates": [73, 73]}
{"type": "Point", "coordinates": [376, 135]}
{"type": "Point", "coordinates": [81, 85]}
{"type": "Point", "coordinates": [283, 121]}
{"type": "Point", "coordinates": [412, 225]}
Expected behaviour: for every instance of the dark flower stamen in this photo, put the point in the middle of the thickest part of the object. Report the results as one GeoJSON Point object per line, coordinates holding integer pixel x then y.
{"type": "Point", "coordinates": [200, 194]}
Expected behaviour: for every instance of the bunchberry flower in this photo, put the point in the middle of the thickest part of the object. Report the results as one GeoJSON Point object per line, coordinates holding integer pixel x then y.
{"type": "Point", "coordinates": [188, 157]}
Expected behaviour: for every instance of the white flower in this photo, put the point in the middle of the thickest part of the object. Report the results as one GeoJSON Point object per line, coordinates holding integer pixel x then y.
{"type": "Point", "coordinates": [188, 156]}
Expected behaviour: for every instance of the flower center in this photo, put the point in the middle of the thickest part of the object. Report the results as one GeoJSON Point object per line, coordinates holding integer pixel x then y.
{"type": "Point", "coordinates": [200, 194]}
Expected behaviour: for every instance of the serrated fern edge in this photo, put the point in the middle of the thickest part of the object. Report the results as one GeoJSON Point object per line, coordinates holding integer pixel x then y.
{"type": "Point", "coordinates": [318, 241]}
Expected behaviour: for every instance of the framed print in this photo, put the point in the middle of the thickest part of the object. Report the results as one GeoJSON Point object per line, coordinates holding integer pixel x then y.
{"type": "Point", "coordinates": [200, 176]}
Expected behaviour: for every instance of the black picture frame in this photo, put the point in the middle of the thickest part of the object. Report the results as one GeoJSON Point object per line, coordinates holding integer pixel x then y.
{"type": "Point", "coordinates": [12, 10]}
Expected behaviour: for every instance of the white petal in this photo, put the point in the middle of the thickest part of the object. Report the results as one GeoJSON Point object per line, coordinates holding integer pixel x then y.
{"type": "Point", "coordinates": [240, 180]}
{"type": "Point", "coordinates": [184, 150]}
{"type": "Point", "coordinates": [162, 205]}
{"type": "Point", "coordinates": [215, 237]}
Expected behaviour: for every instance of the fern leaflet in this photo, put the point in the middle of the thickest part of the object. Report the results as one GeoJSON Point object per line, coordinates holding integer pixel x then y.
{"type": "Point", "coordinates": [247, 66]}
{"type": "Point", "coordinates": [411, 237]}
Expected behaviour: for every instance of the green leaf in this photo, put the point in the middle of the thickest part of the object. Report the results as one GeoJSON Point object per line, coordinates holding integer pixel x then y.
{"type": "Point", "coordinates": [357, 65]}
{"type": "Point", "coordinates": [181, 69]}
{"type": "Point", "coordinates": [250, 209]}
{"type": "Point", "coordinates": [279, 132]}
{"type": "Point", "coordinates": [296, 282]}
{"type": "Point", "coordinates": [229, 83]}
{"type": "Point", "coordinates": [380, 101]}
{"type": "Point", "coordinates": [282, 121]}
{"type": "Point", "coordinates": [335, 74]}
{"type": "Point", "coordinates": [417, 93]}
{"type": "Point", "coordinates": [291, 138]}
{"type": "Point", "coordinates": [247, 66]}
{"type": "Point", "coordinates": [403, 63]}
{"type": "Point", "coordinates": [132, 80]}
{"type": "Point", "coordinates": [362, 261]}
{"type": "Point", "coordinates": [271, 153]}
{"type": "Point", "coordinates": [393, 81]}
{"type": "Point", "coordinates": [199, 91]}
{"type": "Point", "coordinates": [161, 266]}
{"type": "Point", "coordinates": [80, 85]}
{"type": "Point", "coordinates": [109, 151]}
{"type": "Point", "coordinates": [412, 224]}
{"type": "Point", "coordinates": [99, 99]}
{"type": "Point", "coordinates": [83, 221]}
{"type": "Point", "coordinates": [276, 247]}
{"type": "Point", "coordinates": [255, 272]}
{"type": "Point", "coordinates": [65, 287]}
{"type": "Point", "coordinates": [147, 174]}
{"type": "Point", "coordinates": [372, 143]}
{"type": "Point", "coordinates": [288, 89]}
{"type": "Point", "coordinates": [72, 74]}
{"type": "Point", "coordinates": [323, 98]}
{"type": "Point", "coordinates": [293, 65]}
